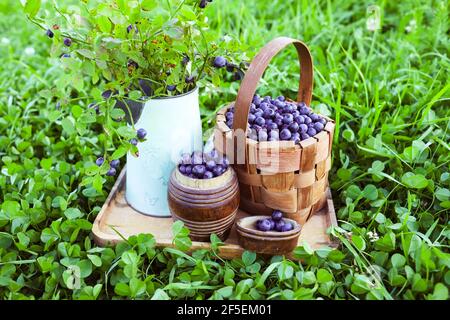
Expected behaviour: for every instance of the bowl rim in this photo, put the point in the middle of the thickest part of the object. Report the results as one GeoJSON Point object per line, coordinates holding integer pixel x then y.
{"type": "Point", "coordinates": [262, 238]}
{"type": "Point", "coordinates": [267, 234]}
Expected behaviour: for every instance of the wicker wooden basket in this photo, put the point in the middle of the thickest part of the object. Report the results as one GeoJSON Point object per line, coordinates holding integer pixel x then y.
{"type": "Point", "coordinates": [298, 184]}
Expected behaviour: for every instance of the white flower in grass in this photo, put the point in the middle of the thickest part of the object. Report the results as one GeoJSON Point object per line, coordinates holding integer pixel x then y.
{"type": "Point", "coordinates": [411, 26]}
{"type": "Point", "coordinates": [5, 41]}
{"type": "Point", "coordinates": [373, 18]}
{"type": "Point", "coordinates": [373, 236]}
{"type": "Point", "coordinates": [29, 51]}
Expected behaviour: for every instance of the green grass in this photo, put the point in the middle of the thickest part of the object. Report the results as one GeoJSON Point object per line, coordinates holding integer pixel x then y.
{"type": "Point", "coordinates": [389, 93]}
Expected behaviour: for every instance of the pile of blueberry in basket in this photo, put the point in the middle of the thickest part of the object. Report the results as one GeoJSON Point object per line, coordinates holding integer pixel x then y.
{"type": "Point", "coordinates": [278, 119]}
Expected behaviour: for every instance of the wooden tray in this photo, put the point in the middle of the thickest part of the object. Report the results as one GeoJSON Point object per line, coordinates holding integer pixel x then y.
{"type": "Point", "coordinates": [117, 214]}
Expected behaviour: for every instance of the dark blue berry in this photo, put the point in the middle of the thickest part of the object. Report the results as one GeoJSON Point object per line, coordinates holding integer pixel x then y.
{"type": "Point", "coordinates": [210, 165]}
{"type": "Point", "coordinates": [318, 126]}
{"type": "Point", "coordinates": [171, 87]}
{"type": "Point", "coordinates": [251, 118]}
{"type": "Point", "coordinates": [311, 132]}
{"type": "Point", "coordinates": [285, 134]}
{"type": "Point", "coordinates": [279, 225]}
{"type": "Point", "coordinates": [49, 33]}
{"type": "Point", "coordinates": [134, 141]}
{"type": "Point", "coordinates": [111, 172]}
{"type": "Point", "coordinates": [264, 225]}
{"type": "Point", "coordinates": [287, 227]}
{"type": "Point", "coordinates": [294, 127]}
{"type": "Point", "coordinates": [99, 161]}
{"type": "Point", "coordinates": [219, 62]}
{"type": "Point", "coordinates": [260, 121]}
{"type": "Point", "coordinates": [277, 215]}
{"type": "Point", "coordinates": [114, 163]}
{"type": "Point", "coordinates": [190, 79]}
{"type": "Point", "coordinates": [141, 133]}
{"type": "Point", "coordinates": [288, 118]}
{"type": "Point", "coordinates": [188, 169]}
{"type": "Point", "coordinates": [208, 175]}
{"type": "Point", "coordinates": [67, 42]}
{"type": "Point", "coordinates": [199, 170]}
{"type": "Point", "coordinates": [182, 168]}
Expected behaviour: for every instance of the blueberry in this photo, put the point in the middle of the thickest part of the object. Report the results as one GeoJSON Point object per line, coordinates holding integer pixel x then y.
{"type": "Point", "coordinates": [49, 33]}
{"type": "Point", "coordinates": [182, 168]}
{"type": "Point", "coordinates": [277, 215]}
{"type": "Point", "coordinates": [107, 94]}
{"type": "Point", "coordinates": [264, 106]}
{"type": "Point", "coordinates": [188, 169]}
{"type": "Point", "coordinates": [304, 136]}
{"type": "Point", "coordinates": [229, 123]}
{"type": "Point", "coordinates": [99, 161]}
{"type": "Point", "coordinates": [264, 225]}
{"type": "Point", "coordinates": [199, 170]}
{"type": "Point", "coordinates": [279, 225]}
{"type": "Point", "coordinates": [141, 133]}
{"type": "Point", "coordinates": [303, 128]}
{"type": "Point", "coordinates": [208, 175]}
{"type": "Point", "coordinates": [189, 79]}
{"type": "Point", "coordinates": [171, 87]}
{"type": "Point", "coordinates": [308, 120]}
{"type": "Point", "coordinates": [231, 67]}
{"type": "Point", "coordinates": [260, 121]}
{"type": "Point", "coordinates": [256, 100]}
{"type": "Point", "coordinates": [262, 135]}
{"type": "Point", "coordinates": [289, 108]}
{"type": "Point", "coordinates": [134, 141]}
{"type": "Point", "coordinates": [268, 113]}
{"type": "Point", "coordinates": [225, 163]}
{"type": "Point", "coordinates": [295, 113]}
{"type": "Point", "coordinates": [65, 55]}
{"type": "Point", "coordinates": [219, 62]}
{"type": "Point", "coordinates": [311, 132]}
{"type": "Point", "coordinates": [274, 135]}
{"type": "Point", "coordinates": [314, 117]}
{"type": "Point", "coordinates": [318, 126]}
{"type": "Point", "coordinates": [287, 227]}
{"type": "Point", "coordinates": [114, 163]}
{"type": "Point", "coordinates": [229, 115]}
{"type": "Point", "coordinates": [253, 108]}
{"type": "Point", "coordinates": [299, 119]}
{"type": "Point", "coordinates": [285, 134]}
{"type": "Point", "coordinates": [296, 137]}
{"type": "Point", "coordinates": [288, 118]}
{"type": "Point", "coordinates": [210, 165]}
{"type": "Point", "coordinates": [294, 127]}
{"type": "Point", "coordinates": [251, 118]}
{"type": "Point", "coordinates": [279, 104]}
{"type": "Point", "coordinates": [258, 112]}
{"type": "Point", "coordinates": [67, 42]}
{"type": "Point", "coordinates": [272, 224]}
{"type": "Point", "coordinates": [202, 4]}
{"type": "Point", "coordinates": [323, 121]}
{"type": "Point", "coordinates": [218, 170]}
{"type": "Point", "coordinates": [111, 172]}
{"type": "Point", "coordinates": [281, 98]}
{"type": "Point", "coordinates": [129, 28]}
{"type": "Point", "coordinates": [304, 111]}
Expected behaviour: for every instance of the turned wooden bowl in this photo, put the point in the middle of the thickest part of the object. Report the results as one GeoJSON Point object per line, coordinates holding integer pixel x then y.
{"type": "Point", "coordinates": [205, 206]}
{"type": "Point", "coordinates": [266, 242]}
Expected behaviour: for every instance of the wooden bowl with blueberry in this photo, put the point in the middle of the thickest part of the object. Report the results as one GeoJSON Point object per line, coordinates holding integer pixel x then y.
{"type": "Point", "coordinates": [204, 193]}
{"type": "Point", "coordinates": [273, 235]}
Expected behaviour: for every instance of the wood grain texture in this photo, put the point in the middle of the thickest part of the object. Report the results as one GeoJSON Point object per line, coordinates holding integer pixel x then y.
{"type": "Point", "coordinates": [117, 215]}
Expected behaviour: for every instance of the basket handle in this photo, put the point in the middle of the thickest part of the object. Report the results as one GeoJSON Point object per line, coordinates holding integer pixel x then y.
{"type": "Point", "coordinates": [256, 70]}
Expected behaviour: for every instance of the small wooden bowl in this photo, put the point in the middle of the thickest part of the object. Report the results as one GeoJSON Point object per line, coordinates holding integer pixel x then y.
{"type": "Point", "coordinates": [248, 226]}
{"type": "Point", "coordinates": [205, 206]}
{"type": "Point", "coordinates": [269, 242]}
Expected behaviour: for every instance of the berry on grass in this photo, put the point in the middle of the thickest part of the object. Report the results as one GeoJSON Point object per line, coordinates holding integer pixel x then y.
{"type": "Point", "coordinates": [219, 62]}
{"type": "Point", "coordinates": [67, 42]}
{"type": "Point", "coordinates": [141, 133]}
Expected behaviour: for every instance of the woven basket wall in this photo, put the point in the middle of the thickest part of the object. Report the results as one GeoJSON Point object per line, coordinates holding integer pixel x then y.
{"type": "Point", "coordinates": [297, 185]}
